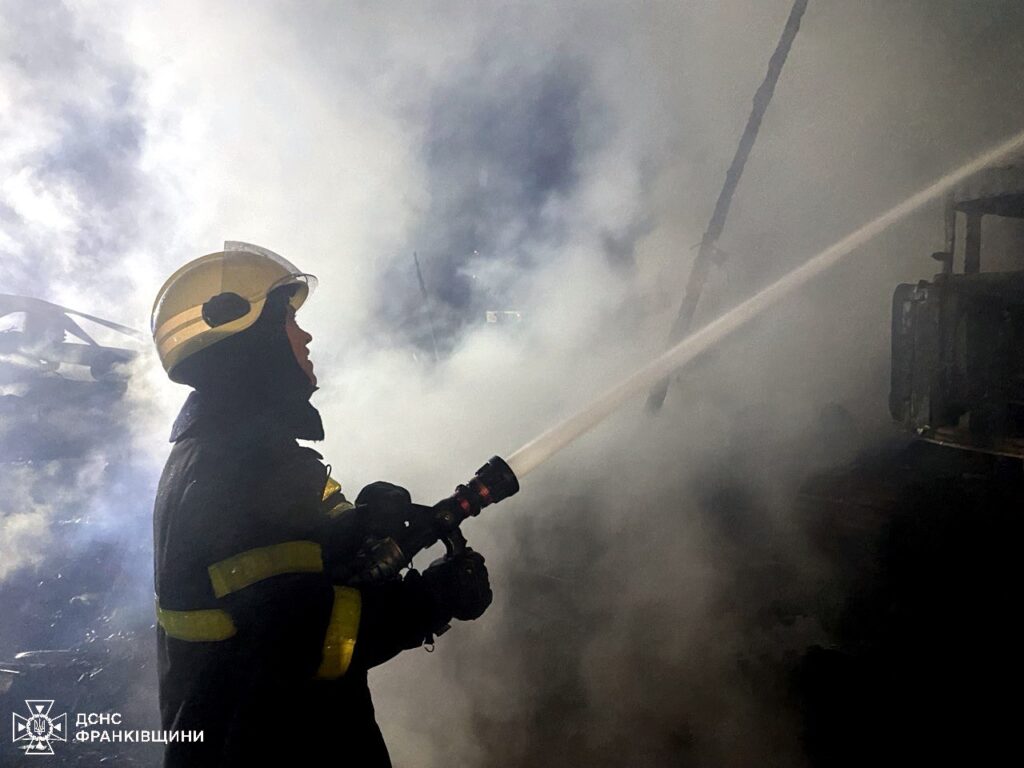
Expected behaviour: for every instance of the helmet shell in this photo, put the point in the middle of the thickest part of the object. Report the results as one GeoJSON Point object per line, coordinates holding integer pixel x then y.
{"type": "Point", "coordinates": [239, 278]}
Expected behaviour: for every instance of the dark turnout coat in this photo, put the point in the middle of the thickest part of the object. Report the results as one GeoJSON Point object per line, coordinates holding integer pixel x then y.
{"type": "Point", "coordinates": [238, 482]}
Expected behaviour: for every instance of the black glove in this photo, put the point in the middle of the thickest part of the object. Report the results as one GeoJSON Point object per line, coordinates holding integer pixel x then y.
{"type": "Point", "coordinates": [386, 508]}
{"type": "Point", "coordinates": [459, 587]}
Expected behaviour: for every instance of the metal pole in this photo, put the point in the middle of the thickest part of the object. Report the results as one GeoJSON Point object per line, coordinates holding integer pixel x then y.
{"type": "Point", "coordinates": [708, 249]}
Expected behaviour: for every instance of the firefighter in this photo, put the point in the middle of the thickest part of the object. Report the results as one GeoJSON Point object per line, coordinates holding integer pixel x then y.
{"type": "Point", "coordinates": [258, 648]}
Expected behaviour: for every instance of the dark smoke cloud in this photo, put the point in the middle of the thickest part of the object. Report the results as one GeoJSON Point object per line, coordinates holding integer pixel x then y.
{"type": "Point", "coordinates": [500, 151]}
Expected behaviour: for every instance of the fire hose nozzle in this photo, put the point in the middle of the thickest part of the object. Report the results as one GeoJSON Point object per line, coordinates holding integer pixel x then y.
{"type": "Point", "coordinates": [493, 482]}
{"type": "Point", "coordinates": [497, 480]}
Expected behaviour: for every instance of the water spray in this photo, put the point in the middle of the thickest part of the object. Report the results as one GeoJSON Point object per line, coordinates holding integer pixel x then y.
{"type": "Point", "coordinates": [498, 480]}
{"type": "Point", "coordinates": [539, 450]}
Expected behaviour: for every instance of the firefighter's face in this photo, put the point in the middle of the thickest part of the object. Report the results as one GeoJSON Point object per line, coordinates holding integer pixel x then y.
{"type": "Point", "coordinates": [299, 339]}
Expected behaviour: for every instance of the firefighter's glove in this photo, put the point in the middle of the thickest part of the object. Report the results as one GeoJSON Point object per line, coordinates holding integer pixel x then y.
{"type": "Point", "coordinates": [459, 585]}
{"type": "Point", "coordinates": [385, 508]}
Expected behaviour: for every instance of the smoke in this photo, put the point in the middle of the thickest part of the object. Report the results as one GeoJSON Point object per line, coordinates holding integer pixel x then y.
{"type": "Point", "coordinates": [652, 582]}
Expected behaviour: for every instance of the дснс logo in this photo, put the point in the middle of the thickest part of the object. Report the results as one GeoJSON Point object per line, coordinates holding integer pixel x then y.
{"type": "Point", "coordinates": [38, 729]}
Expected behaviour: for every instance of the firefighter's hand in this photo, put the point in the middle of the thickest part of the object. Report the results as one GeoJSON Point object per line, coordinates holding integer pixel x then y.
{"type": "Point", "coordinates": [387, 507]}
{"type": "Point", "coordinates": [459, 585]}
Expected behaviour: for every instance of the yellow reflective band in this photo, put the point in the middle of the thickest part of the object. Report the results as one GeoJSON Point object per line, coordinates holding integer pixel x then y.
{"type": "Point", "coordinates": [333, 486]}
{"type": "Point", "coordinates": [177, 323]}
{"type": "Point", "coordinates": [203, 626]}
{"type": "Point", "coordinates": [254, 565]}
{"type": "Point", "coordinates": [185, 326]}
{"type": "Point", "coordinates": [340, 638]}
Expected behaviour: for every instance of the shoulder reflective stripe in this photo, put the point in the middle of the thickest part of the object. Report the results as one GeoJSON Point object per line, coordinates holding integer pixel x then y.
{"type": "Point", "coordinates": [338, 504]}
{"type": "Point", "coordinates": [333, 486]}
{"type": "Point", "coordinates": [340, 638]}
{"type": "Point", "coordinates": [255, 565]}
{"type": "Point", "coordinates": [196, 626]}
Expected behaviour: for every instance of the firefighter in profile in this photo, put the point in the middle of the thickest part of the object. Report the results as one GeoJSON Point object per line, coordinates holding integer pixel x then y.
{"type": "Point", "coordinates": [260, 648]}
